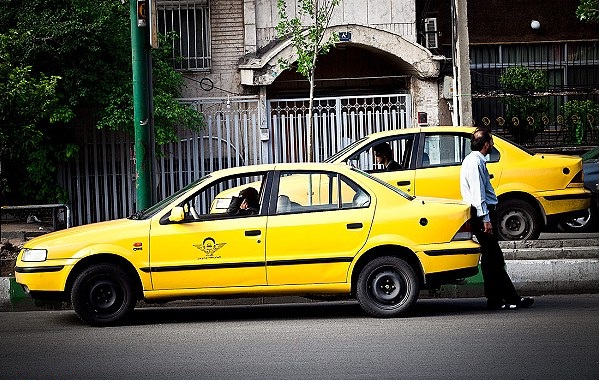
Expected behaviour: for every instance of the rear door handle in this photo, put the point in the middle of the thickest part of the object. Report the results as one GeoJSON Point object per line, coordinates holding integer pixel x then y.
{"type": "Point", "coordinates": [403, 183]}
{"type": "Point", "coordinates": [252, 233]}
{"type": "Point", "coordinates": [491, 176]}
{"type": "Point", "coordinates": [355, 225]}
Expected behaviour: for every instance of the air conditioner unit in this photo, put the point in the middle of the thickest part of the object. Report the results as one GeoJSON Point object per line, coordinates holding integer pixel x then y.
{"type": "Point", "coordinates": [430, 33]}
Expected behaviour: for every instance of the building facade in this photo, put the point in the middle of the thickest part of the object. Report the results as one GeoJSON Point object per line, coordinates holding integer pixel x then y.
{"type": "Point", "coordinates": [399, 63]}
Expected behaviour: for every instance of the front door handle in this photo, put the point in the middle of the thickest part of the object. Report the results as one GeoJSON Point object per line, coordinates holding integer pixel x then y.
{"type": "Point", "coordinates": [252, 233]}
{"type": "Point", "coordinates": [355, 225]}
{"type": "Point", "coordinates": [491, 175]}
{"type": "Point", "coordinates": [404, 183]}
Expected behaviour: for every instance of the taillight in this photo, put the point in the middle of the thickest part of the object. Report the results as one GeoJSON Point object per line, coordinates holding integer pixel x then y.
{"type": "Point", "coordinates": [464, 234]}
{"type": "Point", "coordinates": [577, 181]}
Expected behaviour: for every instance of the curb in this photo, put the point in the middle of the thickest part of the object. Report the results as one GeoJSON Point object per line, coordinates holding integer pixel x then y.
{"type": "Point", "coordinates": [569, 266]}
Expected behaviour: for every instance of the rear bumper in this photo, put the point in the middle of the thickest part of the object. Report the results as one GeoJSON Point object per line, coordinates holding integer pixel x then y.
{"type": "Point", "coordinates": [435, 280]}
{"type": "Point", "coordinates": [561, 202]}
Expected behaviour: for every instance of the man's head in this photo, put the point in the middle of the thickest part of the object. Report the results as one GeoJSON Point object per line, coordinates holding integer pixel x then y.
{"type": "Point", "coordinates": [382, 152]}
{"type": "Point", "coordinates": [481, 140]}
{"type": "Point", "coordinates": [251, 195]}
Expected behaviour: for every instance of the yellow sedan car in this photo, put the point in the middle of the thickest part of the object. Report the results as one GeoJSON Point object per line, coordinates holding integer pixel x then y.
{"type": "Point", "coordinates": [345, 233]}
{"type": "Point", "coordinates": [534, 190]}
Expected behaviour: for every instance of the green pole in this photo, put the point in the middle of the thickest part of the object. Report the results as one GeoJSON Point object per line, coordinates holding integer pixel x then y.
{"type": "Point", "coordinates": [141, 108]}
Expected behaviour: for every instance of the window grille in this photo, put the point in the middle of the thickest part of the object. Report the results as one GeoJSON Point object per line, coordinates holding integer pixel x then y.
{"type": "Point", "coordinates": [190, 21]}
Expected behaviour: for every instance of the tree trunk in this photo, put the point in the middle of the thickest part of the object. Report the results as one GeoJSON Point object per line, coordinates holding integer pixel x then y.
{"type": "Point", "coordinates": [310, 118]}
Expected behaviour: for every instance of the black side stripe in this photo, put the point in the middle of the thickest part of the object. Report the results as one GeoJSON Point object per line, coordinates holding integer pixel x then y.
{"type": "Point", "coordinates": [202, 267]}
{"type": "Point", "coordinates": [473, 250]}
{"type": "Point", "coordinates": [41, 269]}
{"type": "Point", "coordinates": [290, 262]}
{"type": "Point", "coordinates": [568, 197]}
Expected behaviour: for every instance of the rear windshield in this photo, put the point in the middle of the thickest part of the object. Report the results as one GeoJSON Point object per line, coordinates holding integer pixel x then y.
{"type": "Point", "coordinates": [385, 184]}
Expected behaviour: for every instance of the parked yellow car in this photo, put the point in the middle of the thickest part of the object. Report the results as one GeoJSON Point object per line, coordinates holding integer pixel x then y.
{"type": "Point", "coordinates": [360, 237]}
{"type": "Point", "coordinates": [534, 190]}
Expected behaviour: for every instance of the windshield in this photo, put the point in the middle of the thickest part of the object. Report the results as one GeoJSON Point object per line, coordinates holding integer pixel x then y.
{"type": "Point", "coordinates": [384, 183]}
{"type": "Point", "coordinates": [350, 147]}
{"type": "Point", "coordinates": [152, 210]}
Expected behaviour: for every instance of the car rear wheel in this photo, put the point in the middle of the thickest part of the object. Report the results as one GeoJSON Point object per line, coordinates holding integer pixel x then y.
{"type": "Point", "coordinates": [387, 287]}
{"type": "Point", "coordinates": [517, 221]}
{"type": "Point", "coordinates": [102, 295]}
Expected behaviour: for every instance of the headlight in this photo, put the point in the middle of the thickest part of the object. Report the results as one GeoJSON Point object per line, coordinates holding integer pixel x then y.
{"type": "Point", "coordinates": [34, 255]}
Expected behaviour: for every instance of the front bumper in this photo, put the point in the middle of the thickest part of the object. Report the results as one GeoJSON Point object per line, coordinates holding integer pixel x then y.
{"type": "Point", "coordinates": [42, 278]}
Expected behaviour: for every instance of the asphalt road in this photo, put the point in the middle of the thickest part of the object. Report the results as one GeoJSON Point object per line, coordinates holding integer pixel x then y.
{"type": "Point", "coordinates": [558, 338]}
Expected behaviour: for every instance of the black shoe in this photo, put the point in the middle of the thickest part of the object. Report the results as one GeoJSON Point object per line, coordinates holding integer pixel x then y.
{"type": "Point", "coordinates": [525, 302]}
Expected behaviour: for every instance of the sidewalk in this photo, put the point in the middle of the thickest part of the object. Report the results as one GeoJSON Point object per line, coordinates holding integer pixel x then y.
{"type": "Point", "coordinates": [545, 266]}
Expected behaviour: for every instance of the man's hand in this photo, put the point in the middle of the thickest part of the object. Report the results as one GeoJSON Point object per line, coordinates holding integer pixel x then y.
{"type": "Point", "coordinates": [244, 205]}
{"type": "Point", "coordinates": [487, 227]}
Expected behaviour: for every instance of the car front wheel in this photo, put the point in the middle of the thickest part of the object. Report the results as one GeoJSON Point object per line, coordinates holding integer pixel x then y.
{"type": "Point", "coordinates": [102, 295]}
{"type": "Point", "coordinates": [518, 221]}
{"type": "Point", "coordinates": [387, 287]}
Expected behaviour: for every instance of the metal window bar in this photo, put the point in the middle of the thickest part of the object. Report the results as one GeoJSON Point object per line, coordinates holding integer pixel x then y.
{"type": "Point", "coordinates": [190, 20]}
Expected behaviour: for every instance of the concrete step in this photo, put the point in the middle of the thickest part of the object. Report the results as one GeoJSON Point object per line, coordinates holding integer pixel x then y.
{"type": "Point", "coordinates": [572, 248]}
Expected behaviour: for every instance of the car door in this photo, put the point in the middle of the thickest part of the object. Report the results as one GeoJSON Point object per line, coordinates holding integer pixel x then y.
{"type": "Point", "coordinates": [209, 247]}
{"type": "Point", "coordinates": [314, 234]}
{"type": "Point", "coordinates": [403, 148]}
{"type": "Point", "coordinates": [438, 164]}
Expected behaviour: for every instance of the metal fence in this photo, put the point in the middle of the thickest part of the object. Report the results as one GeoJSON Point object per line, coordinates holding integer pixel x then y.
{"type": "Point", "coordinates": [552, 110]}
{"type": "Point", "coordinates": [337, 121]}
{"type": "Point", "coordinates": [101, 181]}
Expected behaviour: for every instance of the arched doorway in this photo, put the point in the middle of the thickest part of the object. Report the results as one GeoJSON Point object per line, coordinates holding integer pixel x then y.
{"type": "Point", "coordinates": [363, 85]}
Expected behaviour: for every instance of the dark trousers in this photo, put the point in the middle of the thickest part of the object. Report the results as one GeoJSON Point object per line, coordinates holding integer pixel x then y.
{"type": "Point", "coordinates": [499, 288]}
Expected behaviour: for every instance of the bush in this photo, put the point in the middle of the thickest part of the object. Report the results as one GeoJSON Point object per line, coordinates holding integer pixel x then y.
{"type": "Point", "coordinates": [524, 110]}
{"type": "Point", "coordinates": [580, 120]}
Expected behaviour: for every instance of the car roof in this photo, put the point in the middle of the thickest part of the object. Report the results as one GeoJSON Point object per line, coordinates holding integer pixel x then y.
{"type": "Point", "coordinates": [414, 130]}
{"type": "Point", "coordinates": [338, 167]}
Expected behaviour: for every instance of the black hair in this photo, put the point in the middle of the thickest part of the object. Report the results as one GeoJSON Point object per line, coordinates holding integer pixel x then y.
{"type": "Point", "coordinates": [479, 137]}
{"type": "Point", "coordinates": [384, 149]}
{"type": "Point", "coordinates": [251, 195]}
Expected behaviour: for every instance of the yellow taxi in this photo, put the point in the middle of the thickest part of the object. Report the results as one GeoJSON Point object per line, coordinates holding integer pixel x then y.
{"type": "Point", "coordinates": [534, 190]}
{"type": "Point", "coordinates": [345, 233]}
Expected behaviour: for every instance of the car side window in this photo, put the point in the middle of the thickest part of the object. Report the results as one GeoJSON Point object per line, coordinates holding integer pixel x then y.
{"type": "Point", "coordinates": [311, 191]}
{"type": "Point", "coordinates": [443, 150]}
{"type": "Point", "coordinates": [493, 156]}
{"type": "Point", "coordinates": [448, 149]}
{"type": "Point", "coordinates": [401, 152]}
{"type": "Point", "coordinates": [218, 198]}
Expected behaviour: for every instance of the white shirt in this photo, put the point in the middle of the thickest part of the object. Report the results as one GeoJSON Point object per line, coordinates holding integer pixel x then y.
{"type": "Point", "coordinates": [475, 184]}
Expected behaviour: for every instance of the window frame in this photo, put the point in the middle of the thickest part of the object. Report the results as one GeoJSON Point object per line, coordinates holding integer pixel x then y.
{"type": "Point", "coordinates": [198, 11]}
{"type": "Point", "coordinates": [341, 178]}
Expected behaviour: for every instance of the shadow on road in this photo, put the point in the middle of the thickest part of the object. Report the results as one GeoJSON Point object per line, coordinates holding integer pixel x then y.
{"type": "Point", "coordinates": [291, 311]}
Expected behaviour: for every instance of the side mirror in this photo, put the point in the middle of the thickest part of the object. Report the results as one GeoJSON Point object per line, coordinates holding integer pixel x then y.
{"type": "Point", "coordinates": [177, 214]}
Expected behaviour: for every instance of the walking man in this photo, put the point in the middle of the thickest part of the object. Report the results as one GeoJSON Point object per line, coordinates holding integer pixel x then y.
{"type": "Point", "coordinates": [476, 189]}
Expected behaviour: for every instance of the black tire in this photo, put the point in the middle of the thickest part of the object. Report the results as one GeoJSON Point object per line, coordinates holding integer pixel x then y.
{"type": "Point", "coordinates": [387, 287]}
{"type": "Point", "coordinates": [102, 295]}
{"type": "Point", "coordinates": [588, 223]}
{"type": "Point", "coordinates": [518, 221]}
